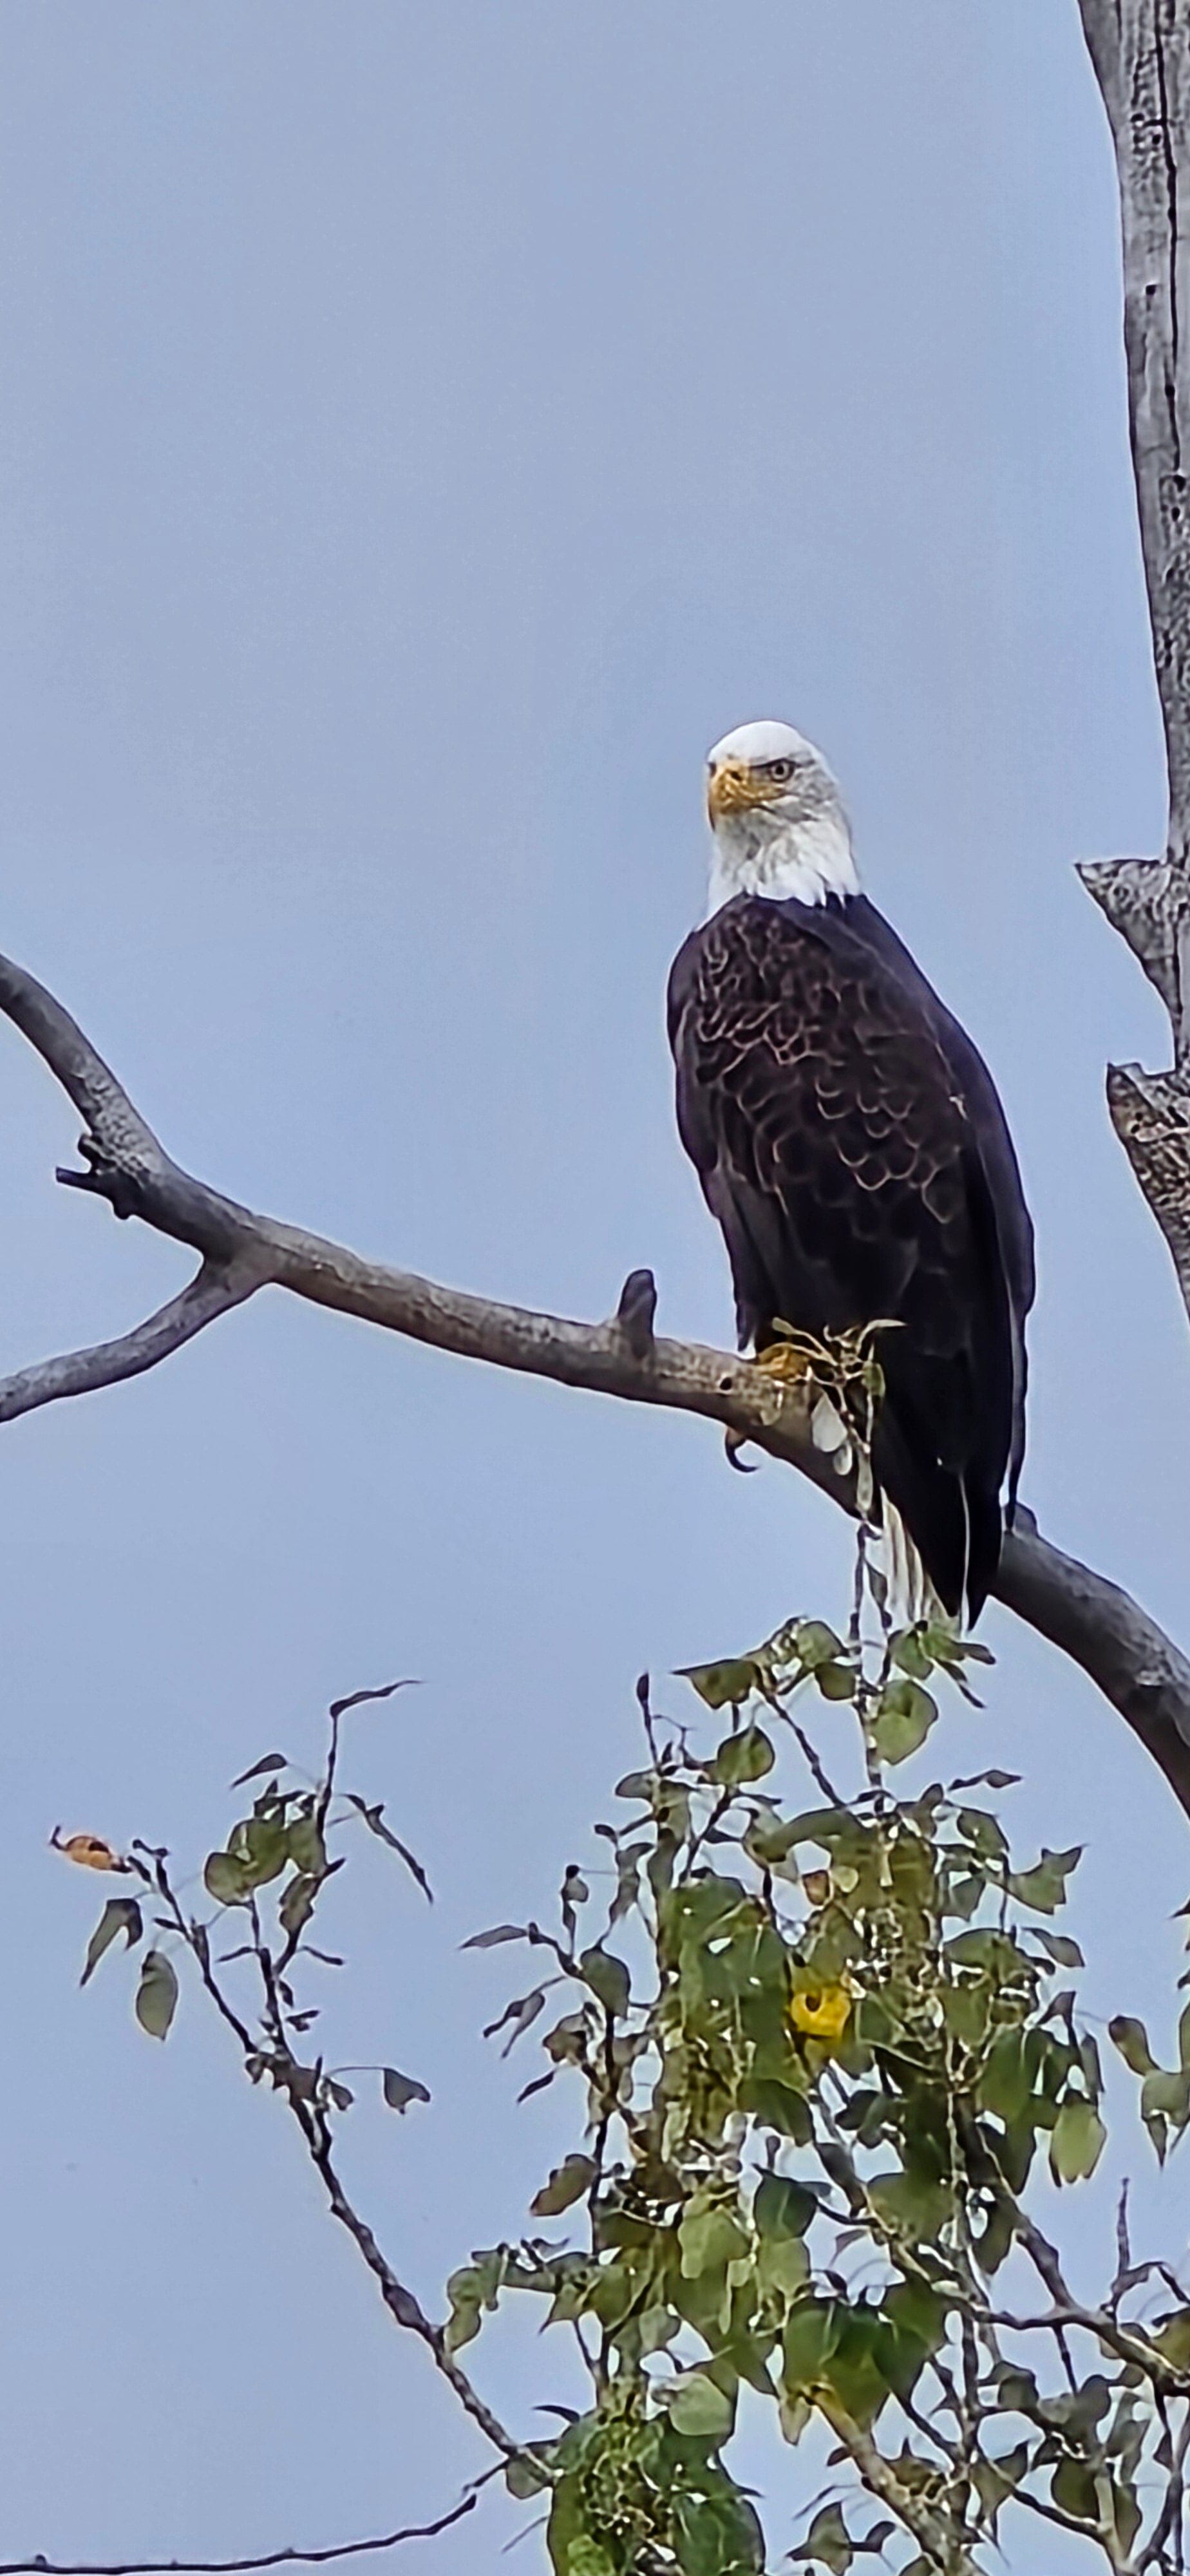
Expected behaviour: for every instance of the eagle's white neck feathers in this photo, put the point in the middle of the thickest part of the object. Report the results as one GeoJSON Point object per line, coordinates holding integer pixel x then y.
{"type": "Point", "coordinates": [803, 864]}
{"type": "Point", "coordinates": [778, 823]}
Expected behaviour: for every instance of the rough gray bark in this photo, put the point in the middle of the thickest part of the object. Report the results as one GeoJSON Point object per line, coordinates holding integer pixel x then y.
{"type": "Point", "coordinates": [1141, 53]}
{"type": "Point", "coordinates": [1124, 1652]}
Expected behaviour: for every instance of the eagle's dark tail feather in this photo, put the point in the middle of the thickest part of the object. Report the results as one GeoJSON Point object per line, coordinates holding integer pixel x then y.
{"type": "Point", "coordinates": [955, 1523]}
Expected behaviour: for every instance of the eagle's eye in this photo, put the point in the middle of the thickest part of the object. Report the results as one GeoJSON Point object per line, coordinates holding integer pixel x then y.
{"type": "Point", "coordinates": [780, 771]}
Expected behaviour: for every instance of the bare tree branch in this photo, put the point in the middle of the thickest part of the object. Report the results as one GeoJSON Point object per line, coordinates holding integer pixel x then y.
{"type": "Point", "coordinates": [210, 1293]}
{"type": "Point", "coordinates": [40, 2566]}
{"type": "Point", "coordinates": [1123, 1651]}
{"type": "Point", "coordinates": [1120, 1648]}
{"type": "Point", "coordinates": [1141, 53]}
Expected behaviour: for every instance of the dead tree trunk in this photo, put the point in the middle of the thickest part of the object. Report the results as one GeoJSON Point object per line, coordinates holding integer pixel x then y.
{"type": "Point", "coordinates": [1141, 53]}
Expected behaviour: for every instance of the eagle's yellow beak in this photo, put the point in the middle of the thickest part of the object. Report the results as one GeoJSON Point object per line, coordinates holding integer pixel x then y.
{"type": "Point", "coordinates": [732, 787]}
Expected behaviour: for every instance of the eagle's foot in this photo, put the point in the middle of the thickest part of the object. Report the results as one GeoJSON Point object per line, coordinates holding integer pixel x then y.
{"type": "Point", "coordinates": [785, 1362]}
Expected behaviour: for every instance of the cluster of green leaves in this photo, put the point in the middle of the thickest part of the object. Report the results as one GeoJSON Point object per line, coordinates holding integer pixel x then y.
{"type": "Point", "coordinates": [822, 2051]}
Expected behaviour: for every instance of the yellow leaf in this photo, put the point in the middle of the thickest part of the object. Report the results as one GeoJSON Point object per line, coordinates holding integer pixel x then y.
{"type": "Point", "coordinates": [87, 1850]}
{"type": "Point", "coordinates": [822, 2012]}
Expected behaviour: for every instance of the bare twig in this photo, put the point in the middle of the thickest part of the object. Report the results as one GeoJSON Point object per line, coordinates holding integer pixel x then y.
{"type": "Point", "coordinates": [40, 2566]}
{"type": "Point", "coordinates": [1123, 1651]}
{"type": "Point", "coordinates": [299, 2085]}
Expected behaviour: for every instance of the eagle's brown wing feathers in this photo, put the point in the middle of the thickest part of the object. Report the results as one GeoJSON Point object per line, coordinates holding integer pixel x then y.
{"type": "Point", "coordinates": [835, 1146]}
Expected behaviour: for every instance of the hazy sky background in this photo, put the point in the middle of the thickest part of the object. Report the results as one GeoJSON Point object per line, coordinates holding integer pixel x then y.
{"type": "Point", "coordinates": [422, 431]}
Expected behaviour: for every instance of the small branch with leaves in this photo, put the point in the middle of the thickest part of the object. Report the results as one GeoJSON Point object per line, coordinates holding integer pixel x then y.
{"type": "Point", "coordinates": [822, 2050]}
{"type": "Point", "coordinates": [278, 1855]}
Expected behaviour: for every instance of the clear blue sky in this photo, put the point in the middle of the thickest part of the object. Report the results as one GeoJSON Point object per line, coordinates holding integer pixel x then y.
{"type": "Point", "coordinates": [422, 431]}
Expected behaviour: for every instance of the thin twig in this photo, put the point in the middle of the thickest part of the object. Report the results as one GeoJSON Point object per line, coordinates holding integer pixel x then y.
{"type": "Point", "coordinates": [298, 2082]}
{"type": "Point", "coordinates": [40, 2566]}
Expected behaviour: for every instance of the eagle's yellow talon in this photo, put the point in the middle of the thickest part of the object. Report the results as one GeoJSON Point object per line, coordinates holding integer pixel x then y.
{"type": "Point", "coordinates": [785, 1362]}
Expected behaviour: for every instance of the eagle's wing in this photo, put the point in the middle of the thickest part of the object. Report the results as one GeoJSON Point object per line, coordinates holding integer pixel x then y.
{"type": "Point", "coordinates": [997, 1154]}
{"type": "Point", "coordinates": [835, 1146]}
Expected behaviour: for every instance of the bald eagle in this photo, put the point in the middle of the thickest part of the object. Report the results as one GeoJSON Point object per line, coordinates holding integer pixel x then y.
{"type": "Point", "coordinates": [851, 1144]}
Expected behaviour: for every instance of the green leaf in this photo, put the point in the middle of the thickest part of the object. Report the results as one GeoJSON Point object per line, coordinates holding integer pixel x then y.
{"type": "Point", "coordinates": [769, 1841]}
{"type": "Point", "coordinates": [657, 2327]}
{"type": "Point", "coordinates": [523, 2479]}
{"type": "Point", "coordinates": [1064, 1953]}
{"type": "Point", "coordinates": [297, 1904]}
{"type": "Point", "coordinates": [782, 2208]}
{"type": "Point", "coordinates": [306, 1847]}
{"type": "Point", "coordinates": [586, 2557]}
{"type": "Point", "coordinates": [710, 2239]}
{"type": "Point", "coordinates": [1077, 2141]}
{"type": "Point", "coordinates": [816, 1644]}
{"type": "Point", "coordinates": [400, 2090]}
{"type": "Point", "coordinates": [917, 2314]}
{"type": "Point", "coordinates": [723, 1685]}
{"type": "Point", "coordinates": [910, 1655]}
{"type": "Point", "coordinates": [1044, 1886]}
{"type": "Point", "coordinates": [268, 1762]}
{"type": "Point", "coordinates": [746, 1756]}
{"type": "Point", "coordinates": [1007, 2079]}
{"type": "Point", "coordinates": [782, 2266]}
{"type": "Point", "coordinates": [827, 2542]}
{"type": "Point", "coordinates": [608, 1978]}
{"type": "Point", "coordinates": [469, 2291]}
{"type": "Point", "coordinates": [356, 1699]}
{"type": "Point", "coordinates": [985, 1833]}
{"type": "Point", "coordinates": [499, 1932]}
{"type": "Point", "coordinates": [995, 2480]}
{"type": "Point", "coordinates": [717, 2533]}
{"type": "Point", "coordinates": [156, 1995]}
{"type": "Point", "coordinates": [1073, 2488]}
{"type": "Point", "coordinates": [260, 1847]}
{"type": "Point", "coordinates": [835, 1681]}
{"type": "Point", "coordinates": [1132, 2041]}
{"type": "Point", "coordinates": [904, 1716]}
{"type": "Point", "coordinates": [811, 2334]}
{"type": "Point", "coordinates": [225, 1879]}
{"type": "Point", "coordinates": [863, 2364]}
{"type": "Point", "coordinates": [1172, 2338]}
{"type": "Point", "coordinates": [566, 2184]}
{"type": "Point", "coordinates": [912, 2201]}
{"type": "Point", "coordinates": [120, 1914]}
{"type": "Point", "coordinates": [698, 2408]}
{"type": "Point", "coordinates": [1165, 2097]}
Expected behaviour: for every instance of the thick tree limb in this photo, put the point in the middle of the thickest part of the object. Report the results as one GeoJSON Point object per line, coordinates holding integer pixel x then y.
{"type": "Point", "coordinates": [1141, 53]}
{"type": "Point", "coordinates": [1122, 1650]}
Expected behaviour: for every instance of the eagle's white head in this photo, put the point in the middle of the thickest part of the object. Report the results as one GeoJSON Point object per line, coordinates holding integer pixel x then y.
{"type": "Point", "coordinates": [778, 824]}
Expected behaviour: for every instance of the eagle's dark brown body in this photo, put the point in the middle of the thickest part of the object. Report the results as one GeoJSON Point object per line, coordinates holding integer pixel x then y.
{"type": "Point", "coordinates": [850, 1141]}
